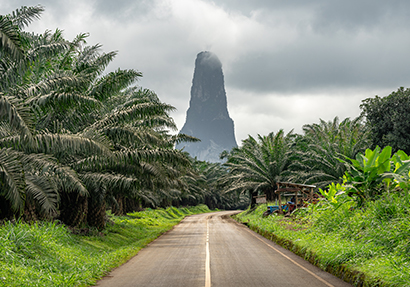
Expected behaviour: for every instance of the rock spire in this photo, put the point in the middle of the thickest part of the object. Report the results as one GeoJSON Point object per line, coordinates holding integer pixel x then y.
{"type": "Point", "coordinates": [207, 116]}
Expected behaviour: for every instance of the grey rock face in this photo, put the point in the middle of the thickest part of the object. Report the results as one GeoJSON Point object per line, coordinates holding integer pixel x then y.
{"type": "Point", "coordinates": [207, 116]}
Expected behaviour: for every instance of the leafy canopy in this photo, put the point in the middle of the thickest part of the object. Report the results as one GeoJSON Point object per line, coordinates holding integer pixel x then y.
{"type": "Point", "coordinates": [388, 119]}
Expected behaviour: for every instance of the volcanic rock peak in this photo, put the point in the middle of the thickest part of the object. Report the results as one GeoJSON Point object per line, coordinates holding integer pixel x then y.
{"type": "Point", "coordinates": [207, 116]}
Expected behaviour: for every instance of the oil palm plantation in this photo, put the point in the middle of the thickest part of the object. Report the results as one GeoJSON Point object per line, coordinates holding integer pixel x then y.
{"type": "Point", "coordinates": [29, 179]}
{"type": "Point", "coordinates": [74, 138]}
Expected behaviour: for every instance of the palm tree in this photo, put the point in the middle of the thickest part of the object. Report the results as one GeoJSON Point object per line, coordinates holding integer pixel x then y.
{"type": "Point", "coordinates": [12, 43]}
{"type": "Point", "coordinates": [258, 165]}
{"type": "Point", "coordinates": [29, 180]}
{"type": "Point", "coordinates": [321, 147]}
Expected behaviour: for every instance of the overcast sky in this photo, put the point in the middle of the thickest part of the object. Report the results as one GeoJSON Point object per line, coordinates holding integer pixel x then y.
{"type": "Point", "coordinates": [286, 63]}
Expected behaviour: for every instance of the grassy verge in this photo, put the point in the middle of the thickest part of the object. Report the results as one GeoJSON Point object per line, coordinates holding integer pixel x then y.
{"type": "Point", "coordinates": [369, 246]}
{"type": "Point", "coordinates": [46, 254]}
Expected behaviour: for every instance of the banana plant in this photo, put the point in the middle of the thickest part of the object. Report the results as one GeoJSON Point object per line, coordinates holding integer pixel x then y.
{"type": "Point", "coordinates": [369, 174]}
{"type": "Point", "coordinates": [336, 196]}
{"type": "Point", "coordinates": [401, 173]}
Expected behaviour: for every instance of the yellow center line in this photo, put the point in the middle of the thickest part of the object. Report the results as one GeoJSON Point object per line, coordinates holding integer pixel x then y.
{"type": "Point", "coordinates": [207, 259]}
{"type": "Point", "coordinates": [291, 260]}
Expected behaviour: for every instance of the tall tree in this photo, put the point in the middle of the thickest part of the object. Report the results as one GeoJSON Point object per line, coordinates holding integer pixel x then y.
{"type": "Point", "coordinates": [259, 164]}
{"type": "Point", "coordinates": [29, 179]}
{"type": "Point", "coordinates": [388, 119]}
{"type": "Point", "coordinates": [318, 151]}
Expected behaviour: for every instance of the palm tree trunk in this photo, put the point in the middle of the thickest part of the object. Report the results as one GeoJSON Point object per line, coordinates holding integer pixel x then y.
{"type": "Point", "coordinates": [119, 208]}
{"type": "Point", "coordinates": [271, 195]}
{"type": "Point", "coordinates": [29, 211]}
{"type": "Point", "coordinates": [132, 204]}
{"type": "Point", "coordinates": [253, 198]}
{"type": "Point", "coordinates": [73, 210]}
{"type": "Point", "coordinates": [96, 214]}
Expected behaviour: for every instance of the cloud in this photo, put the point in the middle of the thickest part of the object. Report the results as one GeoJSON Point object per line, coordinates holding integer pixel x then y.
{"type": "Point", "coordinates": [286, 63]}
{"type": "Point", "coordinates": [261, 114]}
{"type": "Point", "coordinates": [324, 63]}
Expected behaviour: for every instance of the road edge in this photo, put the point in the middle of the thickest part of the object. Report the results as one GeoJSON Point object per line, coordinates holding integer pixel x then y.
{"type": "Point", "coordinates": [349, 275]}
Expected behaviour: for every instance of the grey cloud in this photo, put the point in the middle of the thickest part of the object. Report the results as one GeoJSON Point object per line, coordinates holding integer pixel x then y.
{"type": "Point", "coordinates": [330, 15]}
{"type": "Point", "coordinates": [117, 11]}
{"type": "Point", "coordinates": [356, 15]}
{"type": "Point", "coordinates": [317, 63]}
{"type": "Point", "coordinates": [267, 47]}
{"type": "Point", "coordinates": [246, 7]}
{"type": "Point", "coordinates": [123, 10]}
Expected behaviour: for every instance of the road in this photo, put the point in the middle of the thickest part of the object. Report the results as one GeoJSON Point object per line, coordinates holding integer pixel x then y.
{"type": "Point", "coordinates": [213, 250]}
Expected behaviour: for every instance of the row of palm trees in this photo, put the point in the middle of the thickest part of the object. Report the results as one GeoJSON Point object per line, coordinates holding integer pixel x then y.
{"type": "Point", "coordinates": [310, 158]}
{"type": "Point", "coordinates": [75, 141]}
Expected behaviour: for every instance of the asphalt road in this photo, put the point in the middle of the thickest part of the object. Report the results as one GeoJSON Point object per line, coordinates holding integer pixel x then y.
{"type": "Point", "coordinates": [213, 250]}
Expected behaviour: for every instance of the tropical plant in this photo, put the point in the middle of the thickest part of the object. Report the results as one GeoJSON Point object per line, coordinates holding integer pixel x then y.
{"type": "Point", "coordinates": [367, 176]}
{"type": "Point", "coordinates": [388, 120]}
{"type": "Point", "coordinates": [336, 196]}
{"type": "Point", "coordinates": [401, 170]}
{"type": "Point", "coordinates": [258, 165]}
{"type": "Point", "coordinates": [29, 179]}
{"type": "Point", "coordinates": [74, 139]}
{"type": "Point", "coordinates": [317, 151]}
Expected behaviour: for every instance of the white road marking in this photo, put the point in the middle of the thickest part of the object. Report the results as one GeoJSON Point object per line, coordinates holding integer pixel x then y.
{"type": "Point", "coordinates": [207, 259]}
{"type": "Point", "coordinates": [293, 261]}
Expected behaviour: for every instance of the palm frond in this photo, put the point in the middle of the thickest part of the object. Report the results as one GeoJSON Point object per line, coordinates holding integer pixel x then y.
{"type": "Point", "coordinates": [113, 83]}
{"type": "Point", "coordinates": [43, 190]}
{"type": "Point", "coordinates": [25, 15]}
{"type": "Point", "coordinates": [10, 39]}
{"type": "Point", "coordinates": [133, 113]}
{"type": "Point", "coordinates": [56, 82]}
{"type": "Point", "coordinates": [12, 178]}
{"type": "Point", "coordinates": [16, 114]}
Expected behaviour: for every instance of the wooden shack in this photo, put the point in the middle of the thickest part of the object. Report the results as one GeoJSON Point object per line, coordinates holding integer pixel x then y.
{"type": "Point", "coordinates": [299, 193]}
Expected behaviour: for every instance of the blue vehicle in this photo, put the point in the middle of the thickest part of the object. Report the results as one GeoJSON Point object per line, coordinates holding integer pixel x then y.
{"type": "Point", "coordinates": [289, 207]}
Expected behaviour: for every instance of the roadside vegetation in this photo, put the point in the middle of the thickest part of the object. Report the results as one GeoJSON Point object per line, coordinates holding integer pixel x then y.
{"type": "Point", "coordinates": [365, 247]}
{"type": "Point", "coordinates": [49, 254]}
{"type": "Point", "coordinates": [78, 143]}
{"type": "Point", "coordinates": [359, 230]}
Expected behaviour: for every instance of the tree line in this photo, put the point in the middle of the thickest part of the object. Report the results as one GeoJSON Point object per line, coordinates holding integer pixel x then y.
{"type": "Point", "coordinates": [76, 141]}
{"type": "Point", "coordinates": [362, 157]}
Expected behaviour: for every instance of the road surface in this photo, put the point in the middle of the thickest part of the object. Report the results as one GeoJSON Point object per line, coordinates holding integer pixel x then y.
{"type": "Point", "coordinates": [213, 250]}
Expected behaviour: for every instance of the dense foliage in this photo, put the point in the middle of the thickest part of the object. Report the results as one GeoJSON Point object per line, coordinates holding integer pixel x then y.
{"type": "Point", "coordinates": [319, 149]}
{"type": "Point", "coordinates": [388, 119]}
{"type": "Point", "coordinates": [359, 228]}
{"type": "Point", "coordinates": [76, 141]}
{"type": "Point", "coordinates": [311, 158]}
{"type": "Point", "coordinates": [257, 165]}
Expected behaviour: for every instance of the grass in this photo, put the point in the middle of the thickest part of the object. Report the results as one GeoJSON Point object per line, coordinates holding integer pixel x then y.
{"type": "Point", "coordinates": [47, 254]}
{"type": "Point", "coordinates": [369, 246]}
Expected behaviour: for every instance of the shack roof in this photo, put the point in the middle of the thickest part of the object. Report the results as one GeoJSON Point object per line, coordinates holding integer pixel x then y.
{"type": "Point", "coordinates": [296, 184]}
